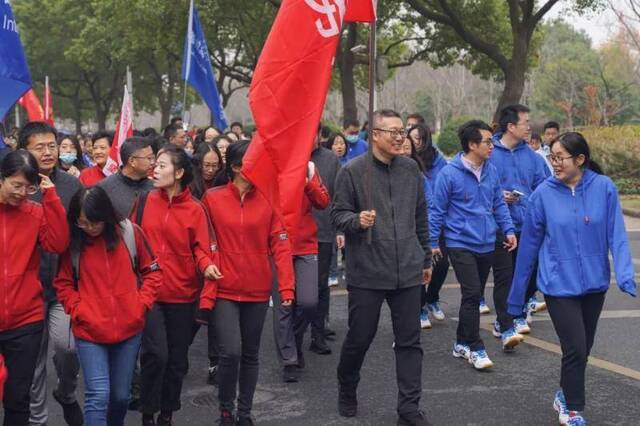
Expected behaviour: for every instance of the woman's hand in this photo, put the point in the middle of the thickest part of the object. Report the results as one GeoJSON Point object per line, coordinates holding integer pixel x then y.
{"type": "Point", "coordinates": [287, 303]}
{"type": "Point", "coordinates": [45, 183]}
{"type": "Point", "coordinates": [212, 273]}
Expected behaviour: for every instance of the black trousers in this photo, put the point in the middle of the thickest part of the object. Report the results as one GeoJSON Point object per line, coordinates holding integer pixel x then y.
{"type": "Point", "coordinates": [20, 348]}
{"type": "Point", "coordinates": [164, 355]}
{"type": "Point", "coordinates": [325, 253]}
{"type": "Point", "coordinates": [364, 314]}
{"type": "Point", "coordinates": [471, 270]}
{"type": "Point", "coordinates": [575, 320]}
{"type": "Point", "coordinates": [431, 294]}
{"type": "Point", "coordinates": [238, 327]}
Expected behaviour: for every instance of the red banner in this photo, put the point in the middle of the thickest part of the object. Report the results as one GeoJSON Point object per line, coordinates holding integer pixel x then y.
{"type": "Point", "coordinates": [30, 102]}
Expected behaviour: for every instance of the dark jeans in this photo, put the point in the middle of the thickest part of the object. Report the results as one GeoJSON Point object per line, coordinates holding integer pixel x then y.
{"type": "Point", "coordinates": [164, 355]}
{"type": "Point", "coordinates": [20, 348]}
{"type": "Point", "coordinates": [431, 294]}
{"type": "Point", "coordinates": [325, 253]}
{"type": "Point", "coordinates": [238, 328]}
{"type": "Point", "coordinates": [575, 320]}
{"type": "Point", "coordinates": [364, 314]}
{"type": "Point", "coordinates": [471, 270]}
{"type": "Point", "coordinates": [107, 371]}
{"type": "Point", "coordinates": [290, 323]}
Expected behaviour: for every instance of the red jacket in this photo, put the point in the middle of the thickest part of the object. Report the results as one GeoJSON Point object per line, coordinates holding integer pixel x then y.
{"type": "Point", "coordinates": [305, 239]}
{"type": "Point", "coordinates": [22, 230]}
{"type": "Point", "coordinates": [107, 306]}
{"type": "Point", "coordinates": [181, 236]}
{"type": "Point", "coordinates": [249, 232]}
{"type": "Point", "coordinates": [91, 176]}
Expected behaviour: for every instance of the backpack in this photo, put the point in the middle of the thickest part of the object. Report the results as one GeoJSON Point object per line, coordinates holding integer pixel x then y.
{"type": "Point", "coordinates": [129, 238]}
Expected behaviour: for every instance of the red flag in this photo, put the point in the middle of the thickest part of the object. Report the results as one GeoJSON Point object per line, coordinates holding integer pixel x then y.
{"type": "Point", "coordinates": [287, 96]}
{"type": "Point", "coordinates": [31, 103]}
{"type": "Point", "coordinates": [124, 130]}
{"type": "Point", "coordinates": [361, 11]}
{"type": "Point", "coordinates": [48, 105]}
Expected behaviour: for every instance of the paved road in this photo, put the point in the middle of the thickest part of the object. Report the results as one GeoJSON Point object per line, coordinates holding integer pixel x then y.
{"type": "Point", "coordinates": [518, 390]}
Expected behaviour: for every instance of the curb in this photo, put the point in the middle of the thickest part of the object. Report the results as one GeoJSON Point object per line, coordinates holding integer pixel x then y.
{"type": "Point", "coordinates": [631, 212]}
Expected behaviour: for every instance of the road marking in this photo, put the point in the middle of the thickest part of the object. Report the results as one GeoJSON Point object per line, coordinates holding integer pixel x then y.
{"type": "Point", "coordinates": [612, 314]}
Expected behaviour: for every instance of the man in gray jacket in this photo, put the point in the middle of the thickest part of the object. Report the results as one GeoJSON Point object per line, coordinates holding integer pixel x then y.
{"type": "Point", "coordinates": [392, 266]}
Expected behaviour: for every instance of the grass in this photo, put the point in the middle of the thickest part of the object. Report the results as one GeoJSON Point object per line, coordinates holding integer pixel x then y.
{"type": "Point", "coordinates": [630, 202]}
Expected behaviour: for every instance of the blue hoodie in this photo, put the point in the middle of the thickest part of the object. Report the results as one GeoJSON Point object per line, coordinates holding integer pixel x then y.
{"type": "Point", "coordinates": [355, 149]}
{"type": "Point", "coordinates": [467, 209]}
{"type": "Point", "coordinates": [519, 169]}
{"type": "Point", "coordinates": [571, 234]}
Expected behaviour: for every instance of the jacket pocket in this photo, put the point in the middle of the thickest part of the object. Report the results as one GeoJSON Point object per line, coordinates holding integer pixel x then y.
{"type": "Point", "coordinates": [476, 228]}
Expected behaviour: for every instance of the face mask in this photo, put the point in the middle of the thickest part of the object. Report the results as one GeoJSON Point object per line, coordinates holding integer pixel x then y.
{"type": "Point", "coordinates": [68, 157]}
{"type": "Point", "coordinates": [352, 138]}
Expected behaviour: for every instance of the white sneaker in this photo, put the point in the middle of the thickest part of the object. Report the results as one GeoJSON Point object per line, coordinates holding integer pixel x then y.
{"type": "Point", "coordinates": [521, 326]}
{"type": "Point", "coordinates": [333, 281]}
{"type": "Point", "coordinates": [461, 351]}
{"type": "Point", "coordinates": [435, 310]}
{"type": "Point", "coordinates": [480, 360]}
{"type": "Point", "coordinates": [424, 319]}
{"type": "Point", "coordinates": [484, 308]}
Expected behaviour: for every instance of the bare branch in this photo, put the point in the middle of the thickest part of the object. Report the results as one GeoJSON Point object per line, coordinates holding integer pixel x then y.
{"type": "Point", "coordinates": [542, 11]}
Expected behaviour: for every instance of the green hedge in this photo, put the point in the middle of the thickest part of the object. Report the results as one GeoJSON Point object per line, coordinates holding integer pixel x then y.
{"type": "Point", "coordinates": [448, 141]}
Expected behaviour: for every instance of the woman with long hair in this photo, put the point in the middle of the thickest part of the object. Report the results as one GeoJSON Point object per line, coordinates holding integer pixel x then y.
{"type": "Point", "coordinates": [179, 232]}
{"type": "Point", "coordinates": [70, 155]}
{"type": "Point", "coordinates": [107, 282]}
{"type": "Point", "coordinates": [207, 167]}
{"type": "Point", "coordinates": [249, 234]}
{"type": "Point", "coordinates": [574, 220]}
{"type": "Point", "coordinates": [25, 228]}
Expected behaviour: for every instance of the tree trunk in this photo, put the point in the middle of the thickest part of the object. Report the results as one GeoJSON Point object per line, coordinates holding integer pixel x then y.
{"type": "Point", "coordinates": [347, 79]}
{"type": "Point", "coordinates": [514, 75]}
{"type": "Point", "coordinates": [101, 117]}
{"type": "Point", "coordinates": [77, 114]}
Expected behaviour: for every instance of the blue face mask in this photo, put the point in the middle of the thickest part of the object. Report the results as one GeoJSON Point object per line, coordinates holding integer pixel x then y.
{"type": "Point", "coordinates": [352, 138]}
{"type": "Point", "coordinates": [68, 157]}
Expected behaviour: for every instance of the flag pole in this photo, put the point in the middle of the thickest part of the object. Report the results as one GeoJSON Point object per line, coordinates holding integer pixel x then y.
{"type": "Point", "coordinates": [372, 106]}
{"type": "Point", "coordinates": [188, 60]}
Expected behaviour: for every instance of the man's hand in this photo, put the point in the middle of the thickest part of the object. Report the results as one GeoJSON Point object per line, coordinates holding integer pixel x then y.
{"type": "Point", "coordinates": [45, 183]}
{"type": "Point", "coordinates": [511, 242]}
{"type": "Point", "coordinates": [212, 273]}
{"type": "Point", "coordinates": [426, 275]}
{"type": "Point", "coordinates": [436, 254]}
{"type": "Point", "coordinates": [287, 303]}
{"type": "Point", "coordinates": [509, 197]}
{"type": "Point", "coordinates": [367, 218]}
{"type": "Point", "coordinates": [340, 241]}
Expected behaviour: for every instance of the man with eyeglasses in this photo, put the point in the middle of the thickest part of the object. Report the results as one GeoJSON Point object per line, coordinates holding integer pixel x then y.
{"type": "Point", "coordinates": [521, 170]}
{"type": "Point", "coordinates": [132, 179]}
{"type": "Point", "coordinates": [39, 139]}
{"type": "Point", "coordinates": [382, 195]}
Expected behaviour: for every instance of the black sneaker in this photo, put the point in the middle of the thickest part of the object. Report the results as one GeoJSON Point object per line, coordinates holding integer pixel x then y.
{"type": "Point", "coordinates": [319, 346]}
{"type": "Point", "coordinates": [72, 412]}
{"type": "Point", "coordinates": [329, 334]}
{"type": "Point", "coordinates": [347, 402]}
{"type": "Point", "coordinates": [212, 377]}
{"type": "Point", "coordinates": [290, 374]}
{"type": "Point", "coordinates": [415, 419]}
{"type": "Point", "coordinates": [163, 421]}
{"type": "Point", "coordinates": [301, 362]}
{"type": "Point", "coordinates": [226, 418]}
{"type": "Point", "coordinates": [244, 421]}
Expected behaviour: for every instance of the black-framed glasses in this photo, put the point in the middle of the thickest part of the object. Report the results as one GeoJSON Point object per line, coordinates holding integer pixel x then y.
{"type": "Point", "coordinates": [556, 159]}
{"type": "Point", "coordinates": [395, 133]}
{"type": "Point", "coordinates": [148, 157]}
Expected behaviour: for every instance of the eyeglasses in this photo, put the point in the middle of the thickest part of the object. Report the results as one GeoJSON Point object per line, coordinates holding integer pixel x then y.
{"type": "Point", "coordinates": [88, 225]}
{"type": "Point", "coordinates": [40, 149]}
{"type": "Point", "coordinates": [556, 159]}
{"type": "Point", "coordinates": [148, 157]}
{"type": "Point", "coordinates": [488, 142]}
{"type": "Point", "coordinates": [27, 189]}
{"type": "Point", "coordinates": [395, 133]}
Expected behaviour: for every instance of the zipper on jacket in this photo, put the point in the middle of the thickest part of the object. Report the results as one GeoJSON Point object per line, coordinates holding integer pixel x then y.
{"type": "Point", "coordinates": [242, 231]}
{"type": "Point", "coordinates": [575, 222]}
{"type": "Point", "coordinates": [113, 317]}
{"type": "Point", "coordinates": [6, 273]}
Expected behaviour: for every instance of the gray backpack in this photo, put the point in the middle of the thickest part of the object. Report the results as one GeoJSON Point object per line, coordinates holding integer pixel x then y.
{"type": "Point", "coordinates": [129, 238]}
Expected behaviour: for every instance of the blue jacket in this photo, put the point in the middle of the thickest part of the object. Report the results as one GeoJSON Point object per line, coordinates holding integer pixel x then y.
{"type": "Point", "coordinates": [571, 234]}
{"type": "Point", "coordinates": [519, 169]}
{"type": "Point", "coordinates": [430, 177]}
{"type": "Point", "coordinates": [355, 149]}
{"type": "Point", "coordinates": [467, 209]}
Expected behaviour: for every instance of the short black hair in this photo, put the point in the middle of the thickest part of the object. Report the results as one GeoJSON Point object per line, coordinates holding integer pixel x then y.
{"type": "Point", "coordinates": [20, 161]}
{"type": "Point", "coordinates": [536, 136]}
{"type": "Point", "coordinates": [351, 122]}
{"type": "Point", "coordinates": [234, 155]}
{"type": "Point", "coordinates": [419, 118]}
{"type": "Point", "coordinates": [97, 207]}
{"type": "Point", "coordinates": [102, 134]}
{"type": "Point", "coordinates": [149, 131]}
{"type": "Point", "coordinates": [34, 128]}
{"type": "Point", "coordinates": [236, 123]}
{"type": "Point", "coordinates": [174, 120]}
{"type": "Point", "coordinates": [332, 140]}
{"type": "Point", "coordinates": [180, 160]}
{"type": "Point", "coordinates": [551, 125]}
{"type": "Point", "coordinates": [170, 131]}
{"type": "Point", "coordinates": [469, 132]}
{"type": "Point", "coordinates": [510, 115]}
{"type": "Point", "coordinates": [131, 145]}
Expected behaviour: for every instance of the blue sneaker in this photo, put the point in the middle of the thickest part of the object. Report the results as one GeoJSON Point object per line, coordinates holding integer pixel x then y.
{"type": "Point", "coordinates": [461, 350]}
{"type": "Point", "coordinates": [534, 306]}
{"type": "Point", "coordinates": [434, 309]}
{"type": "Point", "coordinates": [480, 360]}
{"type": "Point", "coordinates": [424, 319]}
{"type": "Point", "coordinates": [521, 326]}
{"type": "Point", "coordinates": [484, 308]}
{"type": "Point", "coordinates": [576, 419]}
{"type": "Point", "coordinates": [510, 339]}
{"type": "Point", "coordinates": [496, 330]}
{"type": "Point", "coordinates": [560, 405]}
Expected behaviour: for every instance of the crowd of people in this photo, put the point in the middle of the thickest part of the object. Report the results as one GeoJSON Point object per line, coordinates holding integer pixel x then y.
{"type": "Point", "coordinates": [116, 274]}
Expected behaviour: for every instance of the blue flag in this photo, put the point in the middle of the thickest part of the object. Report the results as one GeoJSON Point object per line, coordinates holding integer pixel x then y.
{"type": "Point", "coordinates": [15, 78]}
{"type": "Point", "coordinates": [196, 68]}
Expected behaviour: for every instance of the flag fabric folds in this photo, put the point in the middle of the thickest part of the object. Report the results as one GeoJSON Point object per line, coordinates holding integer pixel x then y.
{"type": "Point", "coordinates": [124, 130]}
{"type": "Point", "coordinates": [30, 102]}
{"type": "Point", "coordinates": [287, 97]}
{"type": "Point", "coordinates": [15, 78]}
{"type": "Point", "coordinates": [197, 70]}
{"type": "Point", "coordinates": [361, 11]}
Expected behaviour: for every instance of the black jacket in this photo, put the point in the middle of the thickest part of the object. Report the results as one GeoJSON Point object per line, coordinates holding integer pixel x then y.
{"type": "Point", "coordinates": [400, 249]}
{"type": "Point", "coordinates": [124, 191]}
{"type": "Point", "coordinates": [328, 165]}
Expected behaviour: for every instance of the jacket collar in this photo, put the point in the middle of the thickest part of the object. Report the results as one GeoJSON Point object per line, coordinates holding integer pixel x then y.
{"type": "Point", "coordinates": [182, 197]}
{"type": "Point", "coordinates": [131, 182]}
{"type": "Point", "coordinates": [236, 193]}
